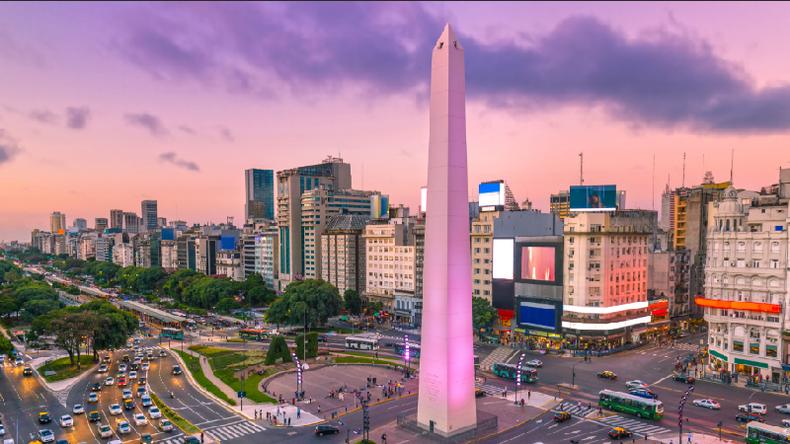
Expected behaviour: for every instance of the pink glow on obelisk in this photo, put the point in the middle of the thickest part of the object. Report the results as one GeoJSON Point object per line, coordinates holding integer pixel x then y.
{"type": "Point", "coordinates": [446, 396]}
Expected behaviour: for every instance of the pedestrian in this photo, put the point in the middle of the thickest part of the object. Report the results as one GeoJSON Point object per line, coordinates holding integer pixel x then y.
{"type": "Point", "coordinates": [201, 436]}
{"type": "Point", "coordinates": [256, 415]}
{"type": "Point", "coordinates": [529, 394]}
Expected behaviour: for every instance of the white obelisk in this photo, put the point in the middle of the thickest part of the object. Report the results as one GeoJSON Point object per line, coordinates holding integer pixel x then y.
{"type": "Point", "coordinates": [446, 398]}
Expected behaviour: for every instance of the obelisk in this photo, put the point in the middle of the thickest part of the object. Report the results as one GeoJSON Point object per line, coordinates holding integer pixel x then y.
{"type": "Point", "coordinates": [446, 402]}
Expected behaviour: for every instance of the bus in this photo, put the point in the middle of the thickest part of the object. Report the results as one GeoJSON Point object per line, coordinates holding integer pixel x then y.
{"type": "Point", "coordinates": [172, 333]}
{"type": "Point", "coordinates": [414, 349]}
{"type": "Point", "coordinates": [631, 404]}
{"type": "Point", "coordinates": [759, 433]}
{"type": "Point", "coordinates": [509, 371]}
{"type": "Point", "coordinates": [362, 343]}
{"type": "Point", "coordinates": [253, 334]}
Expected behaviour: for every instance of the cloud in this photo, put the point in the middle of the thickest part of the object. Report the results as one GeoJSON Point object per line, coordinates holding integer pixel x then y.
{"type": "Point", "coordinates": [149, 122]}
{"type": "Point", "coordinates": [661, 78]}
{"type": "Point", "coordinates": [44, 116]}
{"type": "Point", "coordinates": [9, 147]}
{"type": "Point", "coordinates": [186, 129]}
{"type": "Point", "coordinates": [77, 117]}
{"type": "Point", "coordinates": [172, 158]}
{"type": "Point", "coordinates": [226, 134]}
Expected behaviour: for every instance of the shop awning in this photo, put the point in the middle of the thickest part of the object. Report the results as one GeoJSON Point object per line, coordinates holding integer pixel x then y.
{"type": "Point", "coordinates": [786, 367]}
{"type": "Point", "coordinates": [750, 363]}
{"type": "Point", "coordinates": [718, 355]}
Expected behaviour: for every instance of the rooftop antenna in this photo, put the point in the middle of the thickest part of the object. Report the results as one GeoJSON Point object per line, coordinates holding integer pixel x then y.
{"type": "Point", "coordinates": [683, 180]}
{"type": "Point", "coordinates": [581, 168]}
{"type": "Point", "coordinates": [732, 162]}
{"type": "Point", "coordinates": [653, 190]}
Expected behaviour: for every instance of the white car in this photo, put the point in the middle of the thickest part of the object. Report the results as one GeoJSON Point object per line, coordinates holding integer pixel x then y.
{"type": "Point", "coordinates": [166, 425]}
{"type": "Point", "coordinates": [706, 403]}
{"type": "Point", "coordinates": [105, 431]}
{"type": "Point", "coordinates": [121, 368]}
{"type": "Point", "coordinates": [93, 397]}
{"type": "Point", "coordinates": [145, 400]}
{"type": "Point", "coordinates": [127, 394]}
{"type": "Point", "coordinates": [635, 384]}
{"type": "Point", "coordinates": [66, 421]}
{"type": "Point", "coordinates": [132, 375]}
{"type": "Point", "coordinates": [2, 430]}
{"type": "Point", "coordinates": [115, 409]}
{"type": "Point", "coordinates": [154, 412]}
{"type": "Point", "coordinates": [535, 363]}
{"type": "Point", "coordinates": [103, 368]}
{"type": "Point", "coordinates": [78, 409]}
{"type": "Point", "coordinates": [145, 366]}
{"type": "Point", "coordinates": [46, 435]}
{"type": "Point", "coordinates": [109, 380]}
{"type": "Point", "coordinates": [139, 419]}
{"type": "Point", "coordinates": [754, 407]}
{"type": "Point", "coordinates": [783, 408]}
{"type": "Point", "coordinates": [123, 427]}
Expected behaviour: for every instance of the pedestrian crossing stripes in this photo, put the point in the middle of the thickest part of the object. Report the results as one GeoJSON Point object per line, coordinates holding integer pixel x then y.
{"type": "Point", "coordinates": [576, 408]}
{"type": "Point", "coordinates": [233, 431]}
{"type": "Point", "coordinates": [491, 390]}
{"type": "Point", "coordinates": [686, 346]}
{"type": "Point", "coordinates": [634, 425]}
{"type": "Point", "coordinates": [177, 440]}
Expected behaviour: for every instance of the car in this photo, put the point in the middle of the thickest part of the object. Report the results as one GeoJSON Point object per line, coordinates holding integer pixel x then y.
{"type": "Point", "coordinates": [706, 403]}
{"type": "Point", "coordinates": [146, 401]}
{"type": "Point", "coordinates": [479, 393]}
{"type": "Point", "coordinates": [192, 440]}
{"type": "Point", "coordinates": [783, 408]}
{"type": "Point", "coordinates": [643, 393]}
{"type": "Point", "coordinates": [619, 433]}
{"type": "Point", "coordinates": [562, 416]}
{"type": "Point", "coordinates": [115, 409]}
{"type": "Point", "coordinates": [2, 430]}
{"type": "Point", "coordinates": [177, 370]}
{"type": "Point", "coordinates": [635, 384]}
{"type": "Point", "coordinates": [753, 407]}
{"type": "Point", "coordinates": [126, 394]}
{"type": "Point", "coordinates": [104, 431]}
{"type": "Point", "coordinates": [106, 359]}
{"type": "Point", "coordinates": [128, 404]}
{"type": "Point", "coordinates": [162, 354]}
{"type": "Point", "coordinates": [786, 423]}
{"type": "Point", "coordinates": [122, 367]}
{"type": "Point", "coordinates": [62, 441]}
{"type": "Point", "coordinates": [748, 417]}
{"type": "Point", "coordinates": [133, 375]}
{"type": "Point", "coordinates": [109, 381]}
{"type": "Point", "coordinates": [122, 381]}
{"type": "Point", "coordinates": [19, 361]}
{"type": "Point", "coordinates": [165, 425]}
{"type": "Point", "coordinates": [66, 421]}
{"type": "Point", "coordinates": [134, 367]}
{"type": "Point", "coordinates": [684, 378]}
{"type": "Point", "coordinates": [93, 397]}
{"type": "Point", "coordinates": [145, 367]}
{"type": "Point", "coordinates": [326, 429]}
{"type": "Point", "coordinates": [141, 391]}
{"type": "Point", "coordinates": [607, 374]}
{"type": "Point", "coordinates": [535, 363]}
{"type": "Point", "coordinates": [46, 435]}
{"type": "Point", "coordinates": [145, 438]}
{"type": "Point", "coordinates": [139, 419]}
{"type": "Point", "coordinates": [96, 387]}
{"type": "Point", "coordinates": [94, 416]}
{"type": "Point", "coordinates": [123, 427]}
{"type": "Point", "coordinates": [28, 371]}
{"type": "Point", "coordinates": [154, 412]}
{"type": "Point", "coordinates": [142, 380]}
{"type": "Point", "coordinates": [103, 368]}
{"type": "Point", "coordinates": [44, 418]}
{"type": "Point", "coordinates": [125, 358]}
{"type": "Point", "coordinates": [78, 409]}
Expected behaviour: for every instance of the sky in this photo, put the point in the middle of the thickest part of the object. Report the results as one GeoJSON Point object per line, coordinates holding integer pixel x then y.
{"type": "Point", "coordinates": [104, 105]}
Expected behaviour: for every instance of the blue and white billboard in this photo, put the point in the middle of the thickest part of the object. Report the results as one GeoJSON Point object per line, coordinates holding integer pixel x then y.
{"type": "Point", "coordinates": [593, 198]}
{"type": "Point", "coordinates": [491, 194]}
{"type": "Point", "coordinates": [227, 242]}
{"type": "Point", "coordinates": [536, 314]}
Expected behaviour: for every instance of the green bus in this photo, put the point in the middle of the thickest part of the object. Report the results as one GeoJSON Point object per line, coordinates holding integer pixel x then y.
{"type": "Point", "coordinates": [757, 432]}
{"type": "Point", "coordinates": [631, 404]}
{"type": "Point", "coordinates": [509, 371]}
{"type": "Point", "coordinates": [253, 334]}
{"type": "Point", "coordinates": [172, 333]}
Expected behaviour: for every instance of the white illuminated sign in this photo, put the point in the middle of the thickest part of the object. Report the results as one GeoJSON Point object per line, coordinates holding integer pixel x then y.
{"type": "Point", "coordinates": [609, 326]}
{"type": "Point", "coordinates": [503, 258]}
{"type": "Point", "coordinates": [604, 310]}
{"type": "Point", "coordinates": [424, 199]}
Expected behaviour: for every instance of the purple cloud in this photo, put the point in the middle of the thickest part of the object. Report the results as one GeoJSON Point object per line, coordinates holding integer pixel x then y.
{"type": "Point", "coordinates": [226, 134]}
{"type": "Point", "coordinates": [663, 79]}
{"type": "Point", "coordinates": [8, 147]}
{"type": "Point", "coordinates": [149, 122]}
{"type": "Point", "coordinates": [172, 158]}
{"type": "Point", "coordinates": [44, 116]}
{"type": "Point", "coordinates": [77, 117]}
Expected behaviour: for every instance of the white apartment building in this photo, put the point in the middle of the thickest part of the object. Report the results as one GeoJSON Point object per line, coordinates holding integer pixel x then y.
{"type": "Point", "coordinates": [266, 259]}
{"type": "Point", "coordinates": [87, 247]}
{"type": "Point", "coordinates": [389, 261]}
{"type": "Point", "coordinates": [169, 255]}
{"type": "Point", "coordinates": [123, 254]}
{"type": "Point", "coordinates": [229, 264]}
{"type": "Point", "coordinates": [482, 238]}
{"type": "Point", "coordinates": [746, 283]}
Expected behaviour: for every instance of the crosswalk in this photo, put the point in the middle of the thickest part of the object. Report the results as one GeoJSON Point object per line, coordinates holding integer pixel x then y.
{"type": "Point", "coordinates": [491, 390]}
{"type": "Point", "coordinates": [232, 431]}
{"type": "Point", "coordinates": [635, 426]}
{"type": "Point", "coordinates": [686, 346]}
{"type": "Point", "coordinates": [575, 408]}
{"type": "Point", "coordinates": [173, 440]}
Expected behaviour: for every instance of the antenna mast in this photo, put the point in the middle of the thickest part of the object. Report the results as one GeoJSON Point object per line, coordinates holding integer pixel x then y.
{"type": "Point", "coordinates": [581, 168]}
{"type": "Point", "coordinates": [653, 189]}
{"type": "Point", "coordinates": [732, 162]}
{"type": "Point", "coordinates": [683, 180]}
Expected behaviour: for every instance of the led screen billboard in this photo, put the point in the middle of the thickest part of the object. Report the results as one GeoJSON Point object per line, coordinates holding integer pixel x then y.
{"type": "Point", "coordinates": [503, 259]}
{"type": "Point", "coordinates": [535, 314]}
{"type": "Point", "coordinates": [538, 263]}
{"type": "Point", "coordinates": [593, 198]}
{"type": "Point", "coordinates": [491, 194]}
{"type": "Point", "coordinates": [227, 242]}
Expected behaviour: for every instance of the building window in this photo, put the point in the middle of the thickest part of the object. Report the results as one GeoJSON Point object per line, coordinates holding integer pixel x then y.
{"type": "Point", "coordinates": [770, 351]}
{"type": "Point", "coordinates": [737, 346]}
{"type": "Point", "coordinates": [754, 348]}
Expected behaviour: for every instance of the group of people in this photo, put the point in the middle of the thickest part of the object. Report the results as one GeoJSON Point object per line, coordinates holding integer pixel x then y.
{"type": "Point", "coordinates": [279, 417]}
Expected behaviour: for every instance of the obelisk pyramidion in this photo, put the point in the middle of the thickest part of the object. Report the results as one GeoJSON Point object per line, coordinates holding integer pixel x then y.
{"type": "Point", "coordinates": [446, 396]}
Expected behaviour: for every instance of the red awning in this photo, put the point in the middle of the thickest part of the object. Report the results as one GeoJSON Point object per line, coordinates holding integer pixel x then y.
{"type": "Point", "coordinates": [506, 315]}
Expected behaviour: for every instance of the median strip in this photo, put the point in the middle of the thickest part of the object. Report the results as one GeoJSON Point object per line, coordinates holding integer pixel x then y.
{"type": "Point", "coordinates": [193, 366]}
{"type": "Point", "coordinates": [185, 426]}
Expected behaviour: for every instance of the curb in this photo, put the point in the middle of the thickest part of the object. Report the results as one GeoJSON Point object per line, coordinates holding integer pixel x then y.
{"type": "Point", "coordinates": [65, 391]}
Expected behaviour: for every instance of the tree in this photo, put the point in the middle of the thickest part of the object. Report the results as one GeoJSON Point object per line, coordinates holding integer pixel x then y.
{"type": "Point", "coordinates": [70, 327]}
{"type": "Point", "coordinates": [6, 347]}
{"type": "Point", "coordinates": [37, 307]}
{"type": "Point", "coordinates": [312, 345]}
{"type": "Point", "coordinates": [226, 305]}
{"type": "Point", "coordinates": [309, 302]}
{"type": "Point", "coordinates": [483, 314]}
{"type": "Point", "coordinates": [352, 302]}
{"type": "Point", "coordinates": [256, 292]}
{"type": "Point", "coordinates": [278, 349]}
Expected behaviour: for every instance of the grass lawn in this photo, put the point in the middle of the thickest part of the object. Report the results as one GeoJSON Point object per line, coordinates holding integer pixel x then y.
{"type": "Point", "coordinates": [225, 363]}
{"type": "Point", "coordinates": [363, 360]}
{"type": "Point", "coordinates": [185, 426]}
{"type": "Point", "coordinates": [193, 365]}
{"type": "Point", "coordinates": [63, 368]}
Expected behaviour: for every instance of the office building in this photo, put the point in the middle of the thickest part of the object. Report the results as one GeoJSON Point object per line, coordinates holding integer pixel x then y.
{"type": "Point", "coordinates": [104, 249]}
{"type": "Point", "coordinates": [186, 251]}
{"type": "Point", "coordinates": [389, 261]}
{"type": "Point", "coordinates": [206, 247]}
{"type": "Point", "coordinates": [57, 223]}
{"type": "Point", "coordinates": [343, 252]}
{"type": "Point", "coordinates": [123, 254]}
{"type": "Point", "coordinates": [80, 224]}
{"type": "Point", "coordinates": [100, 224]}
{"type": "Point", "coordinates": [87, 247]}
{"type": "Point", "coordinates": [332, 174]}
{"type": "Point", "coordinates": [149, 213]}
{"type": "Point", "coordinates": [131, 223]}
{"type": "Point", "coordinates": [266, 258]}
{"type": "Point", "coordinates": [116, 219]}
{"type": "Point", "coordinates": [169, 250]}
{"type": "Point", "coordinates": [560, 204]}
{"type": "Point", "coordinates": [259, 191]}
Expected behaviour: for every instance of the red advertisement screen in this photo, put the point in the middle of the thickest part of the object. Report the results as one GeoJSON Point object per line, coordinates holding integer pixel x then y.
{"type": "Point", "coordinates": [537, 263]}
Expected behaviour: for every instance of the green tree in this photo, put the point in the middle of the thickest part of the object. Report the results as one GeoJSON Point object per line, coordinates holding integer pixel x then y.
{"type": "Point", "coordinates": [37, 307]}
{"type": "Point", "coordinates": [6, 347]}
{"type": "Point", "coordinates": [70, 328]}
{"type": "Point", "coordinates": [483, 314]}
{"type": "Point", "coordinates": [309, 302]}
{"type": "Point", "coordinates": [352, 301]}
{"type": "Point", "coordinates": [278, 349]}
{"type": "Point", "coordinates": [312, 345]}
{"type": "Point", "coordinates": [227, 304]}
{"type": "Point", "coordinates": [256, 292]}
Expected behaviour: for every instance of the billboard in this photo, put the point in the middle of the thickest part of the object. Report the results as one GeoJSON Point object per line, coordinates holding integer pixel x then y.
{"type": "Point", "coordinates": [491, 194]}
{"type": "Point", "coordinates": [424, 199]}
{"type": "Point", "coordinates": [503, 259]}
{"type": "Point", "coordinates": [538, 263]}
{"type": "Point", "coordinates": [168, 234]}
{"type": "Point", "coordinates": [227, 242]}
{"type": "Point", "coordinates": [537, 314]}
{"type": "Point", "coordinates": [593, 198]}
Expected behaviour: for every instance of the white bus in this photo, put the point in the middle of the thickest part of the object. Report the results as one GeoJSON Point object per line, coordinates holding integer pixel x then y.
{"type": "Point", "coordinates": [362, 343]}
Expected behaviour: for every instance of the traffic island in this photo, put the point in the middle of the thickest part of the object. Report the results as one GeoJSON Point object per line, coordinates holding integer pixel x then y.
{"type": "Point", "coordinates": [187, 427]}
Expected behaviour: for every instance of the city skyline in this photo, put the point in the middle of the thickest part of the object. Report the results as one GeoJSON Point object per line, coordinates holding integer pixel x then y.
{"type": "Point", "coordinates": [147, 99]}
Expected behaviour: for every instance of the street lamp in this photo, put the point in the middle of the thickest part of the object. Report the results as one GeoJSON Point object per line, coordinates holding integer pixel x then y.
{"type": "Point", "coordinates": [406, 354]}
{"type": "Point", "coordinates": [573, 373]}
{"type": "Point", "coordinates": [518, 377]}
{"type": "Point", "coordinates": [299, 392]}
{"type": "Point", "coordinates": [680, 414]}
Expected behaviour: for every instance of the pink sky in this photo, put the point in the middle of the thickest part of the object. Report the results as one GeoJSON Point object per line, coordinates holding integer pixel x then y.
{"type": "Point", "coordinates": [247, 100]}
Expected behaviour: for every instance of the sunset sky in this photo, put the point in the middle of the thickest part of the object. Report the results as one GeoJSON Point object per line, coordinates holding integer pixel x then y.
{"type": "Point", "coordinates": [104, 105]}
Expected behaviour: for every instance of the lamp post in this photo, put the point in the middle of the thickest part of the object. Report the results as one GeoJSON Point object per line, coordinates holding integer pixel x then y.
{"type": "Point", "coordinates": [573, 373]}
{"type": "Point", "coordinates": [298, 375]}
{"type": "Point", "coordinates": [680, 413]}
{"type": "Point", "coordinates": [518, 377]}
{"type": "Point", "coordinates": [406, 354]}
{"type": "Point", "coordinates": [719, 426]}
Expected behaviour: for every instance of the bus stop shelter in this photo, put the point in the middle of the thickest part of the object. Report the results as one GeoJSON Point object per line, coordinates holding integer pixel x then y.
{"type": "Point", "coordinates": [153, 315]}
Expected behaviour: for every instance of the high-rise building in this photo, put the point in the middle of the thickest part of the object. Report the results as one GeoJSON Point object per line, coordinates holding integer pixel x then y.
{"type": "Point", "coordinates": [343, 252]}
{"type": "Point", "coordinates": [605, 276]}
{"type": "Point", "coordinates": [266, 259]}
{"type": "Point", "coordinates": [104, 249]}
{"type": "Point", "coordinates": [206, 254]}
{"type": "Point", "coordinates": [746, 283]}
{"type": "Point", "coordinates": [482, 235]}
{"type": "Point", "coordinates": [186, 251]}
{"type": "Point", "coordinates": [100, 224]}
{"type": "Point", "coordinates": [87, 247]}
{"type": "Point", "coordinates": [667, 220]}
{"type": "Point", "coordinates": [123, 254]}
{"type": "Point", "coordinates": [57, 223]}
{"type": "Point", "coordinates": [333, 174]}
{"type": "Point", "coordinates": [116, 219]}
{"type": "Point", "coordinates": [161, 222]}
{"type": "Point", "coordinates": [169, 255]}
{"type": "Point", "coordinates": [131, 223]}
{"type": "Point", "coordinates": [379, 206]}
{"type": "Point", "coordinates": [259, 189]}
{"type": "Point", "coordinates": [389, 261]}
{"type": "Point", "coordinates": [80, 224]}
{"type": "Point", "coordinates": [560, 204]}
{"type": "Point", "coordinates": [149, 212]}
